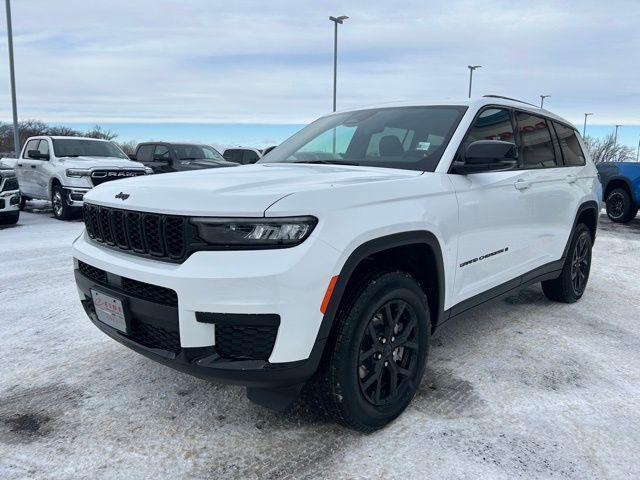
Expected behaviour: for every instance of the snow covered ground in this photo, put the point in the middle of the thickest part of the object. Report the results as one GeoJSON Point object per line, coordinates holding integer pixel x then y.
{"type": "Point", "coordinates": [523, 388]}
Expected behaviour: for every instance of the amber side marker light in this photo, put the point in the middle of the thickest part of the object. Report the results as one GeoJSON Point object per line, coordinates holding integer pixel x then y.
{"type": "Point", "coordinates": [327, 295]}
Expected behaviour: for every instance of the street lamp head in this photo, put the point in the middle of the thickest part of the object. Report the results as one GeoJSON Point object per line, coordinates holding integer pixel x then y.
{"type": "Point", "coordinates": [339, 19]}
{"type": "Point", "coordinates": [473, 67]}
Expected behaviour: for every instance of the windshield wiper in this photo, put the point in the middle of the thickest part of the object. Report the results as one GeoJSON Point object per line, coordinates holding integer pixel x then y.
{"type": "Point", "coordinates": [327, 162]}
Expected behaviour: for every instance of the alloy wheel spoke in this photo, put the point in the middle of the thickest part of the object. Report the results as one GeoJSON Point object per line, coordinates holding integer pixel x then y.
{"type": "Point", "coordinates": [366, 355]}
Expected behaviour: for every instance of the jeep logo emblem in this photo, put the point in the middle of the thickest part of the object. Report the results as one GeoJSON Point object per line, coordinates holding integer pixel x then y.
{"type": "Point", "coordinates": [122, 196]}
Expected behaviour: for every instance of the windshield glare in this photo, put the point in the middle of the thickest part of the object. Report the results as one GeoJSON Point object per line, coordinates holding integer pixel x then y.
{"type": "Point", "coordinates": [75, 147]}
{"type": "Point", "coordinates": [411, 138]}
{"type": "Point", "coordinates": [202, 153]}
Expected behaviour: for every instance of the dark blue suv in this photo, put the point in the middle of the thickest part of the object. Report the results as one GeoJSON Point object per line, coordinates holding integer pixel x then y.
{"type": "Point", "coordinates": [620, 189]}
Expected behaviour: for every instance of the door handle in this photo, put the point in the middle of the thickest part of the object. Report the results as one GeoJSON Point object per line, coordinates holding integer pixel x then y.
{"type": "Point", "coordinates": [33, 166]}
{"type": "Point", "coordinates": [571, 178]}
{"type": "Point", "coordinates": [522, 184]}
{"type": "Point", "coordinates": [19, 164]}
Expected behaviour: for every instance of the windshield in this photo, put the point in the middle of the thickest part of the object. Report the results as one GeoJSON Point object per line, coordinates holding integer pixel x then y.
{"type": "Point", "coordinates": [76, 147]}
{"type": "Point", "coordinates": [411, 138]}
{"type": "Point", "coordinates": [202, 153]}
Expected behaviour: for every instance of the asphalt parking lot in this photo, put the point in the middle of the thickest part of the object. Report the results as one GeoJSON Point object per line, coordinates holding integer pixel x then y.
{"type": "Point", "coordinates": [522, 388]}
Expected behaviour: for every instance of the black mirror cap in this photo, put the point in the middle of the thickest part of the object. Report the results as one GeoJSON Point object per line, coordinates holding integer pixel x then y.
{"type": "Point", "coordinates": [488, 156]}
{"type": "Point", "coordinates": [132, 156]}
{"type": "Point", "coordinates": [37, 155]}
{"type": "Point", "coordinates": [490, 151]}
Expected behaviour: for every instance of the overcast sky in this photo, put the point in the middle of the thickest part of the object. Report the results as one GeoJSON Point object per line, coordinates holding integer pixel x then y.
{"type": "Point", "coordinates": [247, 61]}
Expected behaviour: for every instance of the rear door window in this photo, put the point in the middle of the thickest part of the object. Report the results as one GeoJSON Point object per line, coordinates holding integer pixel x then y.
{"type": "Point", "coordinates": [570, 146]}
{"type": "Point", "coordinates": [536, 144]}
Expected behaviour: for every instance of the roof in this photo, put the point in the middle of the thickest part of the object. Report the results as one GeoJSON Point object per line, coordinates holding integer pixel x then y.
{"type": "Point", "coordinates": [174, 143]}
{"type": "Point", "coordinates": [472, 103]}
{"type": "Point", "coordinates": [61, 137]}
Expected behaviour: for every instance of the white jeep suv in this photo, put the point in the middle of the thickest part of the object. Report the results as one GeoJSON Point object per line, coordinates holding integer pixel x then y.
{"type": "Point", "coordinates": [328, 264]}
{"type": "Point", "coordinates": [63, 169]}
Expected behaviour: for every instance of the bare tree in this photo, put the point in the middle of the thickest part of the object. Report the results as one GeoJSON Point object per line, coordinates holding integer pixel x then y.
{"type": "Point", "coordinates": [32, 128]}
{"type": "Point", "coordinates": [128, 147]}
{"type": "Point", "coordinates": [98, 132]}
{"type": "Point", "coordinates": [607, 150]}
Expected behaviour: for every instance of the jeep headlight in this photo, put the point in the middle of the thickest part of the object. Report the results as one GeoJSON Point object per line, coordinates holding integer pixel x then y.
{"type": "Point", "coordinates": [254, 233]}
{"type": "Point", "coordinates": [78, 172]}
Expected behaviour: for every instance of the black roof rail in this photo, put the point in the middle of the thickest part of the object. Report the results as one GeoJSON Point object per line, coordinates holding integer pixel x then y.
{"type": "Point", "coordinates": [509, 98]}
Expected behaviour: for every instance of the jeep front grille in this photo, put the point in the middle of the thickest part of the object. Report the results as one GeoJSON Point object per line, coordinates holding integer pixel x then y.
{"type": "Point", "coordinates": [101, 176]}
{"type": "Point", "coordinates": [159, 236]}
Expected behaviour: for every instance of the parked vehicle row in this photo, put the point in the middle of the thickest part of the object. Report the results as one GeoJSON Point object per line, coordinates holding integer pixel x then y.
{"type": "Point", "coordinates": [63, 169]}
{"type": "Point", "coordinates": [166, 157]}
{"type": "Point", "coordinates": [327, 265]}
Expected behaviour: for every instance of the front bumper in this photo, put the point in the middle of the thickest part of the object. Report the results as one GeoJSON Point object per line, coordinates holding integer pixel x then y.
{"type": "Point", "coordinates": [75, 195]}
{"type": "Point", "coordinates": [234, 284]}
{"type": "Point", "coordinates": [9, 201]}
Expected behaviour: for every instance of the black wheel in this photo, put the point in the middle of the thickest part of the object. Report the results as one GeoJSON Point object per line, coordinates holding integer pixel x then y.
{"type": "Point", "coordinates": [10, 218]}
{"type": "Point", "coordinates": [620, 206]}
{"type": "Point", "coordinates": [572, 282]}
{"type": "Point", "coordinates": [378, 355]}
{"type": "Point", "coordinates": [61, 209]}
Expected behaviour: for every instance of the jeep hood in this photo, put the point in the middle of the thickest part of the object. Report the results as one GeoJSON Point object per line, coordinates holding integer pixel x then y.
{"type": "Point", "coordinates": [245, 191]}
{"type": "Point", "coordinates": [99, 162]}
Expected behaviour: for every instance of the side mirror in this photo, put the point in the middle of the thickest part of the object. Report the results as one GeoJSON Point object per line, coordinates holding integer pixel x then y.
{"type": "Point", "coordinates": [132, 156]}
{"type": "Point", "coordinates": [158, 157]}
{"type": "Point", "coordinates": [35, 154]}
{"type": "Point", "coordinates": [488, 156]}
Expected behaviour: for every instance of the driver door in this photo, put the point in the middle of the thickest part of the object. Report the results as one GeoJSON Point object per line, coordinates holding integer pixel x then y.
{"type": "Point", "coordinates": [494, 240]}
{"type": "Point", "coordinates": [25, 167]}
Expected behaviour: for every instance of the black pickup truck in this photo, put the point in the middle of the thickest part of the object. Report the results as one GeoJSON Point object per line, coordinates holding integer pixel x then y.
{"type": "Point", "coordinates": [165, 157]}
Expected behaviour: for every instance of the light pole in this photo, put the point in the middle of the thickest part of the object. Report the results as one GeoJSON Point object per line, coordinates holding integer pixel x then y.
{"type": "Point", "coordinates": [542, 97]}
{"type": "Point", "coordinates": [615, 137]}
{"type": "Point", "coordinates": [336, 21]}
{"type": "Point", "coordinates": [471, 69]}
{"type": "Point", "coordinates": [12, 73]}
{"type": "Point", "coordinates": [584, 129]}
{"type": "Point", "coordinates": [638, 154]}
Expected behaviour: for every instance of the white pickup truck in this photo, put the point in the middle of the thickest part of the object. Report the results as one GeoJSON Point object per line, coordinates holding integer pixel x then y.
{"type": "Point", "coordinates": [63, 169]}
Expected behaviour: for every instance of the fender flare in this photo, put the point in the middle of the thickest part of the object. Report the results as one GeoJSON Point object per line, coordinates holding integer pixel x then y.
{"type": "Point", "coordinates": [372, 247]}
{"type": "Point", "coordinates": [589, 205]}
{"type": "Point", "coordinates": [625, 180]}
{"type": "Point", "coordinates": [50, 185]}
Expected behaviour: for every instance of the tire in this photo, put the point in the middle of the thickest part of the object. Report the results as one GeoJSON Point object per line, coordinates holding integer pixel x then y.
{"type": "Point", "coordinates": [10, 218]}
{"type": "Point", "coordinates": [383, 334]}
{"type": "Point", "coordinates": [572, 282]}
{"type": "Point", "coordinates": [620, 206]}
{"type": "Point", "coordinates": [61, 210]}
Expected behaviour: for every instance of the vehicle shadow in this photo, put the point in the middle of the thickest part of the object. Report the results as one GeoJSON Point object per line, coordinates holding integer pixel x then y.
{"type": "Point", "coordinates": [632, 227]}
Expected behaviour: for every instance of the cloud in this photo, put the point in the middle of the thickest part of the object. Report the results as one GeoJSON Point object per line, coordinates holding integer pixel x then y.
{"type": "Point", "coordinates": [271, 62]}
